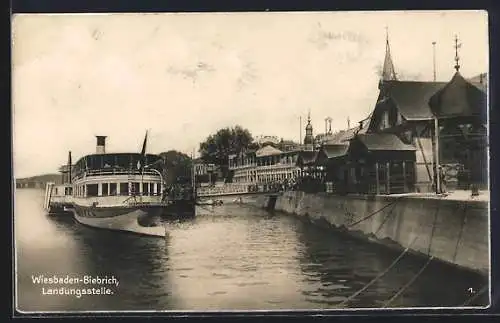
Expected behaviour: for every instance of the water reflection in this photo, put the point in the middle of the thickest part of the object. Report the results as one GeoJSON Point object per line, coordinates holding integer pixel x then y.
{"type": "Point", "coordinates": [340, 268]}
{"type": "Point", "coordinates": [250, 266]}
{"type": "Point", "coordinates": [41, 242]}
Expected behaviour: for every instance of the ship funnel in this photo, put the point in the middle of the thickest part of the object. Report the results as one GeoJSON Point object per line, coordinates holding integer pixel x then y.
{"type": "Point", "coordinates": [101, 145]}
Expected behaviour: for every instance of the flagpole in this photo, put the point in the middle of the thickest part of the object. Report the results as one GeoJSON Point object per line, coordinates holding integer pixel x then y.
{"type": "Point", "coordinates": [193, 174]}
{"type": "Point", "coordinates": [143, 154]}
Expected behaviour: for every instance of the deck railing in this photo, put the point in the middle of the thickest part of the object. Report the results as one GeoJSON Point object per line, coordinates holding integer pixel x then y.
{"type": "Point", "coordinates": [115, 171]}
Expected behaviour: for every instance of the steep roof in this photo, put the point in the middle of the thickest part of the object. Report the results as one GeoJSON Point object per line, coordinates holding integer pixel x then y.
{"type": "Point", "coordinates": [383, 141]}
{"type": "Point", "coordinates": [307, 157]}
{"type": "Point", "coordinates": [328, 152]}
{"type": "Point", "coordinates": [332, 151]}
{"type": "Point", "coordinates": [459, 98]}
{"type": "Point", "coordinates": [412, 98]}
{"type": "Point", "coordinates": [364, 124]}
{"type": "Point", "coordinates": [267, 151]}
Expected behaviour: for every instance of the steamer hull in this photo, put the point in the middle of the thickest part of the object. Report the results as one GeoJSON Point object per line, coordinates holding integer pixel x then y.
{"type": "Point", "coordinates": [126, 218]}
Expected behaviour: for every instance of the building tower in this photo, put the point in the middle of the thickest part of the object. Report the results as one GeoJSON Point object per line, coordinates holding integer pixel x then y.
{"type": "Point", "coordinates": [328, 126]}
{"type": "Point", "coordinates": [309, 138]}
{"type": "Point", "coordinates": [388, 70]}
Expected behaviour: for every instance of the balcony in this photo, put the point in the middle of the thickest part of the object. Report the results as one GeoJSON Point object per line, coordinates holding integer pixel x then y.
{"type": "Point", "coordinates": [274, 166]}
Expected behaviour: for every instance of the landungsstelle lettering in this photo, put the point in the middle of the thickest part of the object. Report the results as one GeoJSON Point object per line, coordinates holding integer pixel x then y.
{"type": "Point", "coordinates": [61, 284]}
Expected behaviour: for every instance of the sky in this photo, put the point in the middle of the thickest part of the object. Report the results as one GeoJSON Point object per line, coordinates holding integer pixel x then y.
{"type": "Point", "coordinates": [184, 76]}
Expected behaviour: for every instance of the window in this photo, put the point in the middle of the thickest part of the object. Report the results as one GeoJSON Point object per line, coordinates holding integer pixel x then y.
{"type": "Point", "coordinates": [407, 137]}
{"type": "Point", "coordinates": [92, 189]}
{"type": "Point", "coordinates": [105, 187]}
{"type": "Point", "coordinates": [151, 188]}
{"type": "Point", "coordinates": [112, 189]}
{"type": "Point", "coordinates": [123, 188]}
{"type": "Point", "coordinates": [145, 188]}
{"type": "Point", "coordinates": [393, 116]}
{"type": "Point", "coordinates": [135, 188]}
{"type": "Point", "coordinates": [399, 118]}
{"type": "Point", "coordinates": [384, 121]}
{"type": "Point", "coordinates": [451, 144]}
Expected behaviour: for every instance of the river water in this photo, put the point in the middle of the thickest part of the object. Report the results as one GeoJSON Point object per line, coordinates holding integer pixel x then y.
{"type": "Point", "coordinates": [231, 258]}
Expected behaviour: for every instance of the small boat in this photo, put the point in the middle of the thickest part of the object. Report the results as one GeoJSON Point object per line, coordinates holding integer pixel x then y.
{"type": "Point", "coordinates": [210, 202]}
{"type": "Point", "coordinates": [58, 199]}
{"type": "Point", "coordinates": [205, 202]}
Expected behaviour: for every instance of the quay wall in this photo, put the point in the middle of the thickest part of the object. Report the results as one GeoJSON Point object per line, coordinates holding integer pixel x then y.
{"type": "Point", "coordinates": [455, 232]}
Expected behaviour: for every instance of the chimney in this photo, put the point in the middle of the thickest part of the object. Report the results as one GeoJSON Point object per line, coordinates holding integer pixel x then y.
{"type": "Point", "coordinates": [101, 145]}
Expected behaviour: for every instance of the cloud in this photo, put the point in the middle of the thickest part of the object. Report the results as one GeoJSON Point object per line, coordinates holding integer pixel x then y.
{"type": "Point", "coordinates": [192, 73]}
{"type": "Point", "coordinates": [347, 39]}
{"type": "Point", "coordinates": [248, 75]}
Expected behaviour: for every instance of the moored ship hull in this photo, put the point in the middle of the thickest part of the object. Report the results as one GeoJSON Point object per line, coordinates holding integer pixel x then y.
{"type": "Point", "coordinates": [122, 218]}
{"type": "Point", "coordinates": [59, 208]}
{"type": "Point", "coordinates": [180, 209]}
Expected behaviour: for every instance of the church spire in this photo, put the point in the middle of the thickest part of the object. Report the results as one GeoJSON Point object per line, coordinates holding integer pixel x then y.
{"type": "Point", "coordinates": [309, 138]}
{"type": "Point", "coordinates": [457, 58]}
{"type": "Point", "coordinates": [388, 71]}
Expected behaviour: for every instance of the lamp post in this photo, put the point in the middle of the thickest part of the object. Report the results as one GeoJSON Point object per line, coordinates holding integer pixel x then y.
{"type": "Point", "coordinates": [437, 165]}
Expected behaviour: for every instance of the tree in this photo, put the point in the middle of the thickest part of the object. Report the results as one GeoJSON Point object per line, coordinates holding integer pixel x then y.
{"type": "Point", "coordinates": [176, 167]}
{"type": "Point", "coordinates": [227, 141]}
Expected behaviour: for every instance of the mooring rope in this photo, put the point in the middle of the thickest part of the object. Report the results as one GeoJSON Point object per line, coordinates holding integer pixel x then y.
{"type": "Point", "coordinates": [373, 213]}
{"type": "Point", "coordinates": [471, 299]}
{"type": "Point", "coordinates": [433, 226]}
{"type": "Point", "coordinates": [429, 260]}
{"type": "Point", "coordinates": [381, 274]}
{"type": "Point", "coordinates": [408, 284]}
{"type": "Point", "coordinates": [387, 216]}
{"type": "Point", "coordinates": [464, 221]}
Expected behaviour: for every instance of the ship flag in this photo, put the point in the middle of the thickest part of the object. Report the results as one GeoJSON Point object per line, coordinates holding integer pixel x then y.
{"type": "Point", "coordinates": [140, 162]}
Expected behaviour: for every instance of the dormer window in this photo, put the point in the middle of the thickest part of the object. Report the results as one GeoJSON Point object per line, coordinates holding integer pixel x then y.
{"type": "Point", "coordinates": [384, 120]}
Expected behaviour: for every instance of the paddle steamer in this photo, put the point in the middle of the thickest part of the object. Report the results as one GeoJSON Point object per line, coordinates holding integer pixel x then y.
{"type": "Point", "coordinates": [117, 190]}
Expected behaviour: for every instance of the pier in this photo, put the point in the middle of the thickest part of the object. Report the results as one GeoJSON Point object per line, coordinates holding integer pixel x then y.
{"type": "Point", "coordinates": [30, 184]}
{"type": "Point", "coordinates": [238, 189]}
